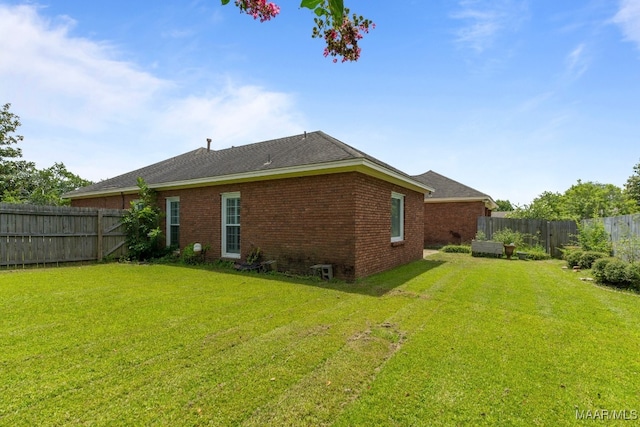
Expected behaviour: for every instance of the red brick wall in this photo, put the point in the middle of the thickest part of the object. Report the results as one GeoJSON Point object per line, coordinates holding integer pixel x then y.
{"type": "Point", "coordinates": [339, 219]}
{"type": "Point", "coordinates": [443, 220]}
{"type": "Point", "coordinates": [374, 250]}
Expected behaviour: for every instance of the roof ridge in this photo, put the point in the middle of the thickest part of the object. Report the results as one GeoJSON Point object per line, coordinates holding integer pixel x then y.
{"type": "Point", "coordinates": [342, 145]}
{"type": "Point", "coordinates": [251, 144]}
{"type": "Point", "coordinates": [458, 182]}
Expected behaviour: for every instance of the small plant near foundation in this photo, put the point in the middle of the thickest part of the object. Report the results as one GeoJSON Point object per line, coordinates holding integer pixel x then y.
{"type": "Point", "coordinates": [254, 256]}
{"type": "Point", "coordinates": [458, 249]}
{"type": "Point", "coordinates": [190, 257]}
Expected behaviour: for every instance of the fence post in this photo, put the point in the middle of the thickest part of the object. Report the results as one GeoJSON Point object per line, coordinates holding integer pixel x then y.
{"type": "Point", "coordinates": [548, 238]}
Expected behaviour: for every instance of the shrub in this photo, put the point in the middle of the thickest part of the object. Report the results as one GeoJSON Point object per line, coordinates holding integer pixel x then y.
{"type": "Point", "coordinates": [508, 236]}
{"type": "Point", "coordinates": [615, 272]}
{"type": "Point", "coordinates": [598, 267]}
{"type": "Point", "coordinates": [573, 257]}
{"type": "Point", "coordinates": [627, 247]}
{"type": "Point", "coordinates": [537, 253]}
{"type": "Point", "coordinates": [633, 275]}
{"type": "Point", "coordinates": [480, 235]}
{"type": "Point", "coordinates": [142, 226]}
{"type": "Point", "coordinates": [587, 258]}
{"type": "Point", "coordinates": [254, 256]}
{"type": "Point", "coordinates": [592, 236]}
{"type": "Point", "coordinates": [190, 257]}
{"type": "Point", "coordinates": [458, 249]}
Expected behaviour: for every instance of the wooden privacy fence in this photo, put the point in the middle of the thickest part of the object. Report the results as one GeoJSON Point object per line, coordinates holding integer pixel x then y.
{"type": "Point", "coordinates": [551, 235]}
{"type": "Point", "coordinates": [52, 234]}
{"type": "Point", "coordinates": [624, 232]}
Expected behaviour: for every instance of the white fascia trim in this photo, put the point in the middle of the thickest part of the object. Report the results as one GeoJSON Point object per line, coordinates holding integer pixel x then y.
{"type": "Point", "coordinates": [488, 201]}
{"type": "Point", "coordinates": [360, 165]}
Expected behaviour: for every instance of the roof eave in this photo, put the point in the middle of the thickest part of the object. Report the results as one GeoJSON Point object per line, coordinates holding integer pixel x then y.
{"type": "Point", "coordinates": [350, 165]}
{"type": "Point", "coordinates": [488, 201]}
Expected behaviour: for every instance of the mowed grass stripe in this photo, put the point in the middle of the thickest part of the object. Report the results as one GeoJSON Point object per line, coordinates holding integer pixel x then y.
{"type": "Point", "coordinates": [135, 352]}
{"type": "Point", "coordinates": [489, 359]}
{"type": "Point", "coordinates": [452, 340]}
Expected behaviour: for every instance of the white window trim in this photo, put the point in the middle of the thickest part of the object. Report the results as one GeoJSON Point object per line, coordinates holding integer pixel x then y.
{"type": "Point", "coordinates": [223, 222]}
{"type": "Point", "coordinates": [400, 197]}
{"type": "Point", "coordinates": [168, 217]}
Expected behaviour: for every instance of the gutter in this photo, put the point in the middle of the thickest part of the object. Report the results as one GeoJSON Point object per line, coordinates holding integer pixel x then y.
{"type": "Point", "coordinates": [488, 201]}
{"type": "Point", "coordinates": [361, 165]}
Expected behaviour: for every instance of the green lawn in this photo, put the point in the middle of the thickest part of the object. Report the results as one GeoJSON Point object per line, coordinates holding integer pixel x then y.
{"type": "Point", "coordinates": [451, 340]}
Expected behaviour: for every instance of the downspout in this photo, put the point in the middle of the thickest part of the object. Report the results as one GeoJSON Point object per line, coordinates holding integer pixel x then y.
{"type": "Point", "coordinates": [122, 197]}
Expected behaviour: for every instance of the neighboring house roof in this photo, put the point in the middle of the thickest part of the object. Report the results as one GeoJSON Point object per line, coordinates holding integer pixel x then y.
{"type": "Point", "coordinates": [298, 155]}
{"type": "Point", "coordinates": [447, 189]}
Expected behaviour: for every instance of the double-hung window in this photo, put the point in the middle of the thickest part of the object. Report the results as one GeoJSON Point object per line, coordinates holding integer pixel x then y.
{"type": "Point", "coordinates": [173, 221]}
{"type": "Point", "coordinates": [397, 217]}
{"type": "Point", "coordinates": [231, 225]}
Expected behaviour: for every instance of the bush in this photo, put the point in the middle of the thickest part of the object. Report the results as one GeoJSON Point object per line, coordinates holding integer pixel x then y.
{"type": "Point", "coordinates": [190, 257]}
{"type": "Point", "coordinates": [537, 253]}
{"type": "Point", "coordinates": [598, 267]}
{"type": "Point", "coordinates": [588, 258]}
{"type": "Point", "coordinates": [615, 272]}
{"type": "Point", "coordinates": [508, 236]}
{"type": "Point", "coordinates": [633, 275]}
{"type": "Point", "coordinates": [457, 249]}
{"type": "Point", "coordinates": [592, 236]}
{"type": "Point", "coordinates": [573, 257]}
{"type": "Point", "coordinates": [142, 226]}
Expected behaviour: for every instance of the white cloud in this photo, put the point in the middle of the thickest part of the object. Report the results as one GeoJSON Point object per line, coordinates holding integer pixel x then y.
{"type": "Point", "coordinates": [628, 18]}
{"type": "Point", "coordinates": [485, 20]}
{"type": "Point", "coordinates": [67, 80]}
{"type": "Point", "coordinates": [82, 105]}
{"type": "Point", "coordinates": [231, 116]}
{"type": "Point", "coordinates": [577, 62]}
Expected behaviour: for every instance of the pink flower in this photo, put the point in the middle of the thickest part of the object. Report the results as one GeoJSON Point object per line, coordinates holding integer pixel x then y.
{"type": "Point", "coordinates": [258, 9]}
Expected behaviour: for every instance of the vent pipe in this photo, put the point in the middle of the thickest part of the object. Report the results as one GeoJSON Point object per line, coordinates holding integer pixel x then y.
{"type": "Point", "coordinates": [208, 144]}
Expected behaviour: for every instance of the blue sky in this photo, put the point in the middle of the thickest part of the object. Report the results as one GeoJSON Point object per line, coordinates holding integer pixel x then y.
{"type": "Point", "coordinates": [512, 98]}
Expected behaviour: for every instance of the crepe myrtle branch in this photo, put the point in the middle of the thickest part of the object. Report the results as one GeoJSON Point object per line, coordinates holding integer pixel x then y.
{"type": "Point", "coordinates": [340, 31]}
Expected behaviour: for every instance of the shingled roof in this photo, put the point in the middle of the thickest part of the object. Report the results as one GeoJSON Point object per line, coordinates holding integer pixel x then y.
{"type": "Point", "coordinates": [448, 189]}
{"type": "Point", "coordinates": [313, 151]}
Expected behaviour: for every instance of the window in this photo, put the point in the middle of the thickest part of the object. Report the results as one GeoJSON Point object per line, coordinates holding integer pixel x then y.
{"type": "Point", "coordinates": [397, 217]}
{"type": "Point", "coordinates": [231, 225]}
{"type": "Point", "coordinates": [173, 221]}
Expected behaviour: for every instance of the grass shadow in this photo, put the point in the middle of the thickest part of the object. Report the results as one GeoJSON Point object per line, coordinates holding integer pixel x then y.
{"type": "Point", "coordinates": [376, 285]}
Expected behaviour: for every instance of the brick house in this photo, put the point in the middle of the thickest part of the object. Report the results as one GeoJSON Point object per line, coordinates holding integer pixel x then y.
{"type": "Point", "coordinates": [451, 212]}
{"type": "Point", "coordinates": [303, 200]}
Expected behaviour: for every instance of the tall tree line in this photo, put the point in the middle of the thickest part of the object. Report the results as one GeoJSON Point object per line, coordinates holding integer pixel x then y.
{"type": "Point", "coordinates": [20, 180]}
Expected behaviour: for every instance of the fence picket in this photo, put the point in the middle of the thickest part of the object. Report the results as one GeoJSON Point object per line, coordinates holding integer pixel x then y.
{"type": "Point", "coordinates": [52, 234]}
{"type": "Point", "coordinates": [551, 235]}
{"type": "Point", "coordinates": [624, 229]}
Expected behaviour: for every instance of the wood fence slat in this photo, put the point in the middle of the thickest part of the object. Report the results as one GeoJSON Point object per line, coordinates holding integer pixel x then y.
{"type": "Point", "coordinates": [53, 234]}
{"type": "Point", "coordinates": [624, 233]}
{"type": "Point", "coordinates": [551, 235]}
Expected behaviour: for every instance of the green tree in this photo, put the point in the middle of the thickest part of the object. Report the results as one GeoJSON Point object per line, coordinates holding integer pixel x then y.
{"type": "Point", "coordinates": [340, 31]}
{"type": "Point", "coordinates": [504, 205]}
{"type": "Point", "coordinates": [20, 180]}
{"type": "Point", "coordinates": [582, 200]}
{"type": "Point", "coordinates": [594, 200]}
{"type": "Point", "coordinates": [548, 205]}
{"type": "Point", "coordinates": [13, 171]}
{"type": "Point", "coordinates": [16, 181]}
{"type": "Point", "coordinates": [9, 123]}
{"type": "Point", "coordinates": [632, 186]}
{"type": "Point", "coordinates": [48, 185]}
